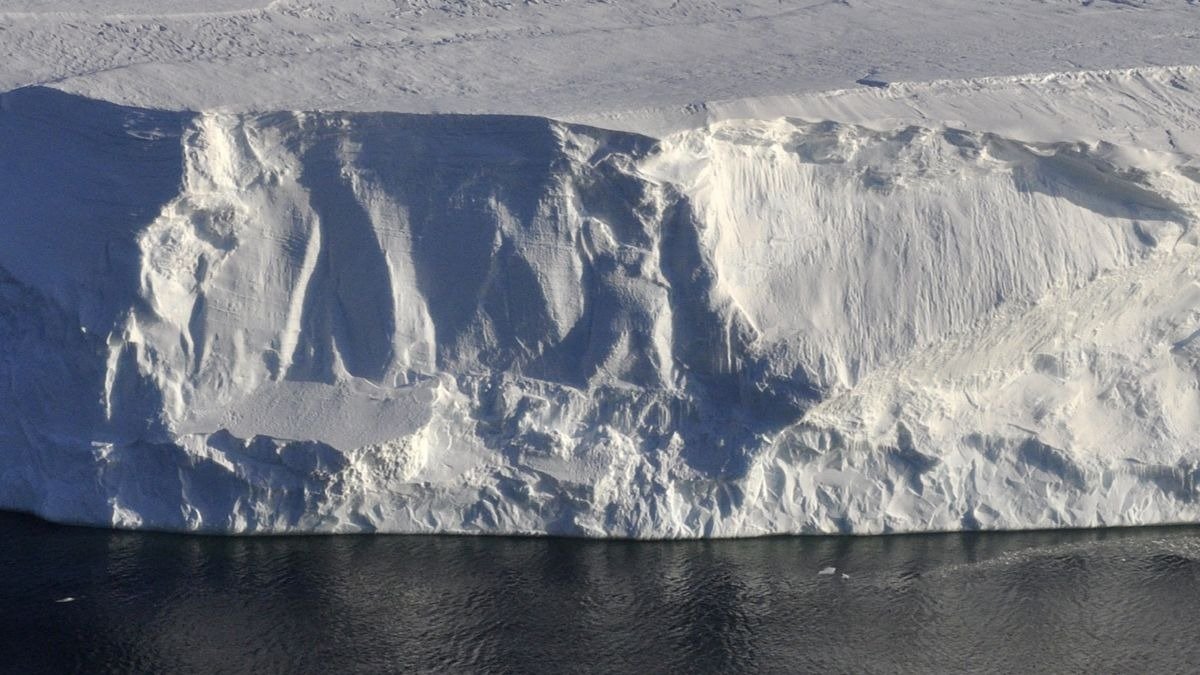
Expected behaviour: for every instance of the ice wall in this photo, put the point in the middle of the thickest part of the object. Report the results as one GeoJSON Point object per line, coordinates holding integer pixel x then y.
{"type": "Point", "coordinates": [384, 322]}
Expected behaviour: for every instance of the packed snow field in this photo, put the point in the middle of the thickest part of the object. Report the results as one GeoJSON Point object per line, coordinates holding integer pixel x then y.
{"type": "Point", "coordinates": [791, 304]}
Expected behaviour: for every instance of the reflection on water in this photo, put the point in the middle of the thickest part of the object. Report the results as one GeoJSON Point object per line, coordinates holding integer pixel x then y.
{"type": "Point", "coordinates": [1113, 600]}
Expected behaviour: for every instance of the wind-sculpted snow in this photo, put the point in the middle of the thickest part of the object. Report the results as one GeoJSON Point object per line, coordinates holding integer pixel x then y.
{"type": "Point", "coordinates": [238, 322]}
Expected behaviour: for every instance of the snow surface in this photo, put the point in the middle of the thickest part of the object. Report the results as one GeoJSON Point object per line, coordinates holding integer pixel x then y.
{"type": "Point", "coordinates": [962, 303]}
{"type": "Point", "coordinates": [558, 57]}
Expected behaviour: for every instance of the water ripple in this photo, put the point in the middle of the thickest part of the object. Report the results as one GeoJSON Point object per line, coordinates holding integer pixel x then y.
{"type": "Point", "coordinates": [1023, 602]}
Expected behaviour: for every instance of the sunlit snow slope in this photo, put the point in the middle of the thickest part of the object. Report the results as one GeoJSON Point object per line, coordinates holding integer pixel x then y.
{"type": "Point", "coordinates": [849, 322]}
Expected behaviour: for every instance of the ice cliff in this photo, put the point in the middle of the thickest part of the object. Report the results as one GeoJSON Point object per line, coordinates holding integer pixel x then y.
{"type": "Point", "coordinates": [341, 322]}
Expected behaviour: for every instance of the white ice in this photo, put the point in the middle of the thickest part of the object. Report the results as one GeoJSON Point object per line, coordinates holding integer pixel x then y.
{"type": "Point", "coordinates": [705, 285]}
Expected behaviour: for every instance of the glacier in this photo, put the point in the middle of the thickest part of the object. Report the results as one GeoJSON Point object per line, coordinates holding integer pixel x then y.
{"type": "Point", "coordinates": [971, 304]}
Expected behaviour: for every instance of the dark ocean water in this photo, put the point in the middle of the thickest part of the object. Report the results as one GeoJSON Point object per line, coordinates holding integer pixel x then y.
{"type": "Point", "coordinates": [1086, 602]}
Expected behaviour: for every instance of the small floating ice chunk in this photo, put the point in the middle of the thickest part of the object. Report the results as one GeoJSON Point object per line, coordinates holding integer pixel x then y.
{"type": "Point", "coordinates": [845, 576]}
{"type": "Point", "coordinates": [828, 571]}
{"type": "Point", "coordinates": [66, 599]}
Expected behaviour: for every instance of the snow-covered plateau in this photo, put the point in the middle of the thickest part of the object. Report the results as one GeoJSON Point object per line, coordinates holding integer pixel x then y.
{"type": "Point", "coordinates": [964, 303]}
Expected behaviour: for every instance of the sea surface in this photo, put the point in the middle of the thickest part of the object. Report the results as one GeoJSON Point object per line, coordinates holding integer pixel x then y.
{"type": "Point", "coordinates": [87, 600]}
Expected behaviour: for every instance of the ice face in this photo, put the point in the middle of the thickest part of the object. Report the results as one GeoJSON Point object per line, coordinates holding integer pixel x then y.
{"type": "Point", "coordinates": [339, 322]}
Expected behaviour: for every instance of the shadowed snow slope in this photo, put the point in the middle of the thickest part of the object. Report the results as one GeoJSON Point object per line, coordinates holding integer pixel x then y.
{"type": "Point", "coordinates": [336, 322]}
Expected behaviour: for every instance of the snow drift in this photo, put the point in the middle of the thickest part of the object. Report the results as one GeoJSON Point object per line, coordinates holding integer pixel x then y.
{"type": "Point", "coordinates": [338, 322]}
